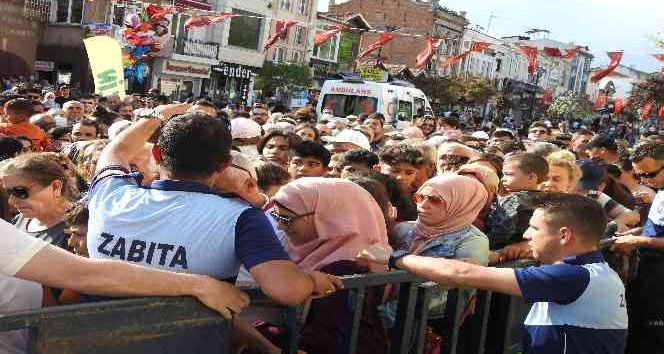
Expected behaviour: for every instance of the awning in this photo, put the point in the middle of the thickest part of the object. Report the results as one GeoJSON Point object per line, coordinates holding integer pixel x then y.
{"type": "Point", "coordinates": [13, 65]}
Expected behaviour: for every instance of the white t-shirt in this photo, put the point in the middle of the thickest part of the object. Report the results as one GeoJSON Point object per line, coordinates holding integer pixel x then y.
{"type": "Point", "coordinates": [16, 249]}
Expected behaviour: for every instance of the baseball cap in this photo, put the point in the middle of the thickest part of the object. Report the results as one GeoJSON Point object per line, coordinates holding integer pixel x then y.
{"type": "Point", "coordinates": [352, 136]}
{"type": "Point", "coordinates": [243, 162]}
{"type": "Point", "coordinates": [593, 175]}
{"type": "Point", "coordinates": [480, 134]}
{"type": "Point", "coordinates": [243, 128]}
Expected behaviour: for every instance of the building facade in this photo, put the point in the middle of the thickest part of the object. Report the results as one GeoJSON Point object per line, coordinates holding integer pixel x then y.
{"type": "Point", "coordinates": [22, 25]}
{"type": "Point", "coordinates": [298, 44]}
{"type": "Point", "coordinates": [617, 84]}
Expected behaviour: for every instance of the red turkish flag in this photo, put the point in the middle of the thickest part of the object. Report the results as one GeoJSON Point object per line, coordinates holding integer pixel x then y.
{"type": "Point", "coordinates": [618, 105]}
{"type": "Point", "coordinates": [553, 52]}
{"type": "Point", "coordinates": [615, 61]}
{"type": "Point", "coordinates": [600, 102]}
{"type": "Point", "coordinates": [156, 12]}
{"type": "Point", "coordinates": [531, 54]}
{"type": "Point", "coordinates": [325, 36]}
{"type": "Point", "coordinates": [206, 20]}
{"type": "Point", "coordinates": [474, 47]}
{"type": "Point", "coordinates": [479, 46]}
{"type": "Point", "coordinates": [384, 38]}
{"type": "Point", "coordinates": [282, 27]}
{"type": "Point", "coordinates": [571, 53]}
{"type": "Point", "coordinates": [645, 111]}
{"type": "Point", "coordinates": [425, 55]}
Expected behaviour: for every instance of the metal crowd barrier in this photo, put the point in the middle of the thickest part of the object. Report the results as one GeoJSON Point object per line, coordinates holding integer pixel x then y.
{"type": "Point", "coordinates": [183, 325]}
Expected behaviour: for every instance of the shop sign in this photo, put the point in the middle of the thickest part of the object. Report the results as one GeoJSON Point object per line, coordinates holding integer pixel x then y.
{"type": "Point", "coordinates": [323, 68]}
{"type": "Point", "coordinates": [97, 29]}
{"type": "Point", "coordinates": [186, 69]}
{"type": "Point", "coordinates": [373, 74]}
{"type": "Point", "coordinates": [234, 70]}
{"type": "Point", "coordinates": [42, 65]}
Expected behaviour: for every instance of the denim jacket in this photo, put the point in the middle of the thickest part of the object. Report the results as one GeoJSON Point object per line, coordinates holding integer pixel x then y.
{"type": "Point", "coordinates": [468, 242]}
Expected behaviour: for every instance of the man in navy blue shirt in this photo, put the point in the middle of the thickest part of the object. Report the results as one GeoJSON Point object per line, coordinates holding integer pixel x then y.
{"type": "Point", "coordinates": [646, 307]}
{"type": "Point", "coordinates": [578, 300]}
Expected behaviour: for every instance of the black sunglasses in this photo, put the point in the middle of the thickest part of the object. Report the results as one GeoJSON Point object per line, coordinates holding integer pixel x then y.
{"type": "Point", "coordinates": [648, 175]}
{"type": "Point", "coordinates": [19, 192]}
{"type": "Point", "coordinates": [287, 221]}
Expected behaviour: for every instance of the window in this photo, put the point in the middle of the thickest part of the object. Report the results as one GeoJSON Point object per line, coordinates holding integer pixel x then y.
{"type": "Point", "coordinates": [245, 31]}
{"type": "Point", "coordinates": [118, 14]}
{"type": "Point", "coordinates": [303, 6]}
{"type": "Point", "coordinates": [345, 105]}
{"type": "Point", "coordinates": [280, 54]}
{"type": "Point", "coordinates": [300, 35]}
{"type": "Point", "coordinates": [327, 50]}
{"type": "Point", "coordinates": [296, 56]}
{"type": "Point", "coordinates": [405, 109]}
{"type": "Point", "coordinates": [285, 5]}
{"type": "Point", "coordinates": [420, 106]}
{"type": "Point", "coordinates": [69, 11]}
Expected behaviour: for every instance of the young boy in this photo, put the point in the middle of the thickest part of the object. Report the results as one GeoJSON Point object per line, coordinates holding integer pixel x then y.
{"type": "Point", "coordinates": [309, 159]}
{"type": "Point", "coordinates": [403, 163]}
{"type": "Point", "coordinates": [357, 160]}
{"type": "Point", "coordinates": [17, 113]}
{"type": "Point", "coordinates": [522, 174]}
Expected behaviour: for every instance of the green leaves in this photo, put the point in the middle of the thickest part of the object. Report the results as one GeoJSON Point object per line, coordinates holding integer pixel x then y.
{"type": "Point", "coordinates": [650, 90]}
{"type": "Point", "coordinates": [289, 76]}
{"type": "Point", "coordinates": [570, 105]}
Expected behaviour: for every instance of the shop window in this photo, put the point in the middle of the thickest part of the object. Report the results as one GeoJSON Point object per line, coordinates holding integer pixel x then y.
{"type": "Point", "coordinates": [245, 31]}
{"type": "Point", "coordinates": [69, 11]}
{"type": "Point", "coordinates": [285, 5]}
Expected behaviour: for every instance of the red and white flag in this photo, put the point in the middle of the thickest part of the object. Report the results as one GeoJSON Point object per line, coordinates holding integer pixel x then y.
{"type": "Point", "coordinates": [282, 27]}
{"type": "Point", "coordinates": [206, 20]}
{"type": "Point", "coordinates": [615, 61]}
{"type": "Point", "coordinates": [382, 40]}
{"type": "Point", "coordinates": [425, 55]}
{"type": "Point", "coordinates": [531, 54]}
{"type": "Point", "coordinates": [325, 36]}
{"type": "Point", "coordinates": [571, 53]}
{"type": "Point", "coordinates": [552, 52]}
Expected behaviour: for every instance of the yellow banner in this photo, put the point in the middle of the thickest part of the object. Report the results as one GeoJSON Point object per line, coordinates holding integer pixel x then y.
{"type": "Point", "coordinates": [105, 55]}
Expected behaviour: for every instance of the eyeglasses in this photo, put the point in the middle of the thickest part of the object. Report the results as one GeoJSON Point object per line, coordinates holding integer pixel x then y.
{"type": "Point", "coordinates": [421, 198]}
{"type": "Point", "coordinates": [287, 221]}
{"type": "Point", "coordinates": [19, 192]}
{"type": "Point", "coordinates": [648, 175]}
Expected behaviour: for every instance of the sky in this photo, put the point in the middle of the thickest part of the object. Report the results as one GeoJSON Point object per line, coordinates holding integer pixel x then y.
{"type": "Point", "coordinates": [603, 25]}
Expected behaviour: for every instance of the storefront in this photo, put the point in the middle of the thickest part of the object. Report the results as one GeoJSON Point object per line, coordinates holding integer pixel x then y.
{"type": "Point", "coordinates": [232, 82]}
{"type": "Point", "coordinates": [178, 79]}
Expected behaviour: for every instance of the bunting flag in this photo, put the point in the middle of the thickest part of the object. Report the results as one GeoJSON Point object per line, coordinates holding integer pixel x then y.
{"type": "Point", "coordinates": [531, 54]}
{"type": "Point", "coordinates": [425, 55]}
{"type": "Point", "coordinates": [282, 27]}
{"type": "Point", "coordinates": [384, 38]}
{"type": "Point", "coordinates": [571, 53]}
{"type": "Point", "coordinates": [205, 20]}
{"type": "Point", "coordinates": [552, 52]}
{"type": "Point", "coordinates": [601, 100]}
{"type": "Point", "coordinates": [474, 47]}
{"type": "Point", "coordinates": [325, 36]}
{"type": "Point", "coordinates": [618, 105]}
{"type": "Point", "coordinates": [156, 12]}
{"type": "Point", "coordinates": [615, 61]}
{"type": "Point", "coordinates": [659, 57]}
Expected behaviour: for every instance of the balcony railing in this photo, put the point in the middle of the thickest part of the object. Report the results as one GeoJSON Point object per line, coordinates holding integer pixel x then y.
{"type": "Point", "coordinates": [192, 48]}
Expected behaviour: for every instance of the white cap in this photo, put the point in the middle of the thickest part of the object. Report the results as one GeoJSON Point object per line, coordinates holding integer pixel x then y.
{"type": "Point", "coordinates": [243, 128]}
{"type": "Point", "coordinates": [480, 134]}
{"type": "Point", "coordinates": [352, 136]}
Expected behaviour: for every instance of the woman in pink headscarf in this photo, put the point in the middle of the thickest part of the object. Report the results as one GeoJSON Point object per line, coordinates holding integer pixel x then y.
{"type": "Point", "coordinates": [328, 221]}
{"type": "Point", "coordinates": [447, 206]}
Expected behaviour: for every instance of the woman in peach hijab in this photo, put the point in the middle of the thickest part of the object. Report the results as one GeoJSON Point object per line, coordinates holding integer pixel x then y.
{"type": "Point", "coordinates": [328, 221]}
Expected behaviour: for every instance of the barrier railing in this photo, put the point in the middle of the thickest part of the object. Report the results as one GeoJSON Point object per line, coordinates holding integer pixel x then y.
{"type": "Point", "coordinates": [177, 325]}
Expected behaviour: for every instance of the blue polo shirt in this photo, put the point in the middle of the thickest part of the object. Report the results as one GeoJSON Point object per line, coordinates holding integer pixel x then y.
{"type": "Point", "coordinates": [179, 226]}
{"type": "Point", "coordinates": [579, 307]}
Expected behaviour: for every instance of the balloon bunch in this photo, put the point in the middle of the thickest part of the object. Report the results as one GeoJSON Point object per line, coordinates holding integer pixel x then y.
{"type": "Point", "coordinates": [145, 34]}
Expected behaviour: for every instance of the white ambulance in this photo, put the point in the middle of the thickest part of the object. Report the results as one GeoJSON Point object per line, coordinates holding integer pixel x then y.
{"type": "Point", "coordinates": [353, 96]}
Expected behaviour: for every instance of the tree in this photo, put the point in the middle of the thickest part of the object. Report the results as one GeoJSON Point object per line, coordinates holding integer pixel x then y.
{"type": "Point", "coordinates": [570, 105]}
{"type": "Point", "coordinates": [650, 90]}
{"type": "Point", "coordinates": [456, 89]}
{"type": "Point", "coordinates": [286, 76]}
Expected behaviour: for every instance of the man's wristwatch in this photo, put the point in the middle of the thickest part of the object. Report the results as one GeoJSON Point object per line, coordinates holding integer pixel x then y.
{"type": "Point", "coordinates": [151, 113]}
{"type": "Point", "coordinates": [394, 257]}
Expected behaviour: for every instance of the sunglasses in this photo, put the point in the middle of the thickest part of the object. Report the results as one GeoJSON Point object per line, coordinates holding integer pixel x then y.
{"type": "Point", "coordinates": [421, 198]}
{"type": "Point", "coordinates": [648, 175]}
{"type": "Point", "coordinates": [287, 221]}
{"type": "Point", "coordinates": [19, 192]}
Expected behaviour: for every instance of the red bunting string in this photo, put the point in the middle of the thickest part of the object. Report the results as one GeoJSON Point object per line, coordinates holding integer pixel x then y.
{"type": "Point", "coordinates": [282, 27]}
{"type": "Point", "coordinates": [552, 52]}
{"type": "Point", "coordinates": [615, 61]}
{"type": "Point", "coordinates": [156, 12]}
{"type": "Point", "coordinates": [384, 38]}
{"type": "Point", "coordinates": [325, 36]}
{"type": "Point", "coordinates": [474, 47]}
{"type": "Point", "coordinates": [204, 20]}
{"type": "Point", "coordinates": [427, 53]}
{"type": "Point", "coordinates": [531, 54]}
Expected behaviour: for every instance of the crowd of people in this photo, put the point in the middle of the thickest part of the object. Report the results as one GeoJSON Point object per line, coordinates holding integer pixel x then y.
{"type": "Point", "coordinates": [291, 200]}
